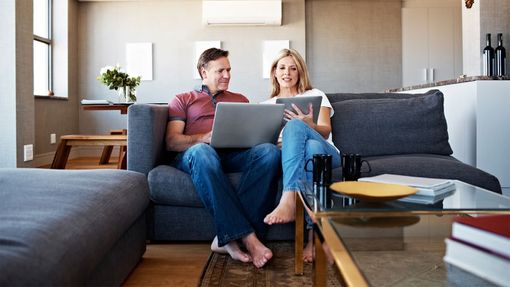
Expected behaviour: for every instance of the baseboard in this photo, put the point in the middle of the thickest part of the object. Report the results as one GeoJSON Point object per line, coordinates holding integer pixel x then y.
{"type": "Point", "coordinates": [45, 159]}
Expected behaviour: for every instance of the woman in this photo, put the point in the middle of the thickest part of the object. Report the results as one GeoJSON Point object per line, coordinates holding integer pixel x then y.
{"type": "Point", "coordinates": [301, 137]}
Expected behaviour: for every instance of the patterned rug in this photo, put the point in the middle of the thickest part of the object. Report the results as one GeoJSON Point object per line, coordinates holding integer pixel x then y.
{"type": "Point", "coordinates": [221, 270]}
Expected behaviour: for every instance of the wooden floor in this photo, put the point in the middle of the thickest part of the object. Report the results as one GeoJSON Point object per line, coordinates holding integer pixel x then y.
{"type": "Point", "coordinates": [172, 264]}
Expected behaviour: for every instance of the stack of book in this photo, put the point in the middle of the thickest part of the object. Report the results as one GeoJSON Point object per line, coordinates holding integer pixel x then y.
{"type": "Point", "coordinates": [430, 190]}
{"type": "Point", "coordinates": [481, 246]}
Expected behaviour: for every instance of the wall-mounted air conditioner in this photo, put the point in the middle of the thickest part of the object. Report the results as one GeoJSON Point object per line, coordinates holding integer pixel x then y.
{"type": "Point", "coordinates": [242, 12]}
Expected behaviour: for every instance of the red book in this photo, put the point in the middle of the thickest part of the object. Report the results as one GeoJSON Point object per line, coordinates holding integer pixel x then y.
{"type": "Point", "coordinates": [490, 232]}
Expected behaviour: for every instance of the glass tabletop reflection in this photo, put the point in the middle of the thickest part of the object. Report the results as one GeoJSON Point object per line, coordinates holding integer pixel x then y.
{"type": "Point", "coordinates": [464, 198]}
{"type": "Point", "coordinates": [403, 251]}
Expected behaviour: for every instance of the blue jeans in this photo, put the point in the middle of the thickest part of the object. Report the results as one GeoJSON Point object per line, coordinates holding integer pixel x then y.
{"type": "Point", "coordinates": [299, 143]}
{"type": "Point", "coordinates": [236, 212]}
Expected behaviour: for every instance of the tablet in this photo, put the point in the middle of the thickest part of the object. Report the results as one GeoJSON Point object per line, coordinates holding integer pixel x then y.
{"type": "Point", "coordinates": [244, 125]}
{"type": "Point", "coordinates": [302, 103]}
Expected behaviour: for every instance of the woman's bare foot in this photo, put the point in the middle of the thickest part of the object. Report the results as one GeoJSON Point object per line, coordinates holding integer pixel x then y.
{"type": "Point", "coordinates": [232, 249]}
{"type": "Point", "coordinates": [327, 252]}
{"type": "Point", "coordinates": [258, 251]}
{"type": "Point", "coordinates": [216, 248]}
{"type": "Point", "coordinates": [285, 211]}
{"type": "Point", "coordinates": [309, 251]}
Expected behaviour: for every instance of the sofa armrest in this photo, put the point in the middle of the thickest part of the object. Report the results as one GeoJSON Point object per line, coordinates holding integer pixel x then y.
{"type": "Point", "coordinates": [146, 136]}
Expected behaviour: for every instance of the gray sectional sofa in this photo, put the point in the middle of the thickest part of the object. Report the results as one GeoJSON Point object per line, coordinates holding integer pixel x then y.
{"type": "Point", "coordinates": [396, 133]}
{"type": "Point", "coordinates": [71, 227]}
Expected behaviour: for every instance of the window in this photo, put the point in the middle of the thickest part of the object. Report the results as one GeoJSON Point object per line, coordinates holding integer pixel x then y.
{"type": "Point", "coordinates": [42, 48]}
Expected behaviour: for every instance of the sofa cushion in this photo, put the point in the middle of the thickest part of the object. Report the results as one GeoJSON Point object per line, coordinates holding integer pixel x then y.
{"type": "Point", "coordinates": [391, 125]}
{"type": "Point", "coordinates": [171, 186]}
{"type": "Point", "coordinates": [338, 97]}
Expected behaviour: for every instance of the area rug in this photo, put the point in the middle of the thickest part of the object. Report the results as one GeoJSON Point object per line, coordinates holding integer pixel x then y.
{"type": "Point", "coordinates": [221, 270]}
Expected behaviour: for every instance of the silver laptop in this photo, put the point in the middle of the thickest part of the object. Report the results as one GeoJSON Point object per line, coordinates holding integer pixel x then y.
{"type": "Point", "coordinates": [243, 125]}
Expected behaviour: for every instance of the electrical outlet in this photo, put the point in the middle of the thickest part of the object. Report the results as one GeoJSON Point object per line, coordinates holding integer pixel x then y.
{"type": "Point", "coordinates": [53, 138]}
{"type": "Point", "coordinates": [28, 152]}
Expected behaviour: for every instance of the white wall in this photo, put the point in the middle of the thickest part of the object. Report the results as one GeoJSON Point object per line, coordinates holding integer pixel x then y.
{"type": "Point", "coordinates": [172, 27]}
{"type": "Point", "coordinates": [17, 100]}
{"type": "Point", "coordinates": [8, 84]}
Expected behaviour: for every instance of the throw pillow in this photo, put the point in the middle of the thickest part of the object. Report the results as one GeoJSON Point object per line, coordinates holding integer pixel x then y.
{"type": "Point", "coordinates": [391, 126]}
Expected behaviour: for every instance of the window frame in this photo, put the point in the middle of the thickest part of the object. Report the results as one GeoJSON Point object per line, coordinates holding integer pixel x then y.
{"type": "Point", "coordinates": [49, 42]}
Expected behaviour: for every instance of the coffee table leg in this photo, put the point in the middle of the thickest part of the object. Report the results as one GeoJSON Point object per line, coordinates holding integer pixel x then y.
{"type": "Point", "coordinates": [299, 237]}
{"type": "Point", "coordinates": [321, 268]}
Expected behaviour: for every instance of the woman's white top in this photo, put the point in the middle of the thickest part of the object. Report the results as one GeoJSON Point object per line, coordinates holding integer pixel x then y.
{"type": "Point", "coordinates": [311, 93]}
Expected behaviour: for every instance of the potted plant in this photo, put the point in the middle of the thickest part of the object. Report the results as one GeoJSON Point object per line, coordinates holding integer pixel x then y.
{"type": "Point", "coordinates": [116, 79]}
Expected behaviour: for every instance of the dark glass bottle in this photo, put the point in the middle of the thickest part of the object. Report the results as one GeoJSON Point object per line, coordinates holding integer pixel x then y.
{"type": "Point", "coordinates": [488, 58]}
{"type": "Point", "coordinates": [500, 57]}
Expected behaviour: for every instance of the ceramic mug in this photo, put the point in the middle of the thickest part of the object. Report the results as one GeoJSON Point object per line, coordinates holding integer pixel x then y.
{"type": "Point", "coordinates": [322, 165]}
{"type": "Point", "coordinates": [351, 166]}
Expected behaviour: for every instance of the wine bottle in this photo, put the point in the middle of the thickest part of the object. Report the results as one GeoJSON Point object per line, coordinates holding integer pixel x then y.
{"type": "Point", "coordinates": [488, 58]}
{"type": "Point", "coordinates": [500, 57]}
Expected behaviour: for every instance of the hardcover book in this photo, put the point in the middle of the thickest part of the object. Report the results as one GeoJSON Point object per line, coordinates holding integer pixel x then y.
{"type": "Point", "coordinates": [491, 232]}
{"type": "Point", "coordinates": [486, 265]}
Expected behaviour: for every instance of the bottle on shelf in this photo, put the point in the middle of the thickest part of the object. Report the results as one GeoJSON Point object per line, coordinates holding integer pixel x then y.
{"type": "Point", "coordinates": [488, 58]}
{"type": "Point", "coordinates": [500, 60]}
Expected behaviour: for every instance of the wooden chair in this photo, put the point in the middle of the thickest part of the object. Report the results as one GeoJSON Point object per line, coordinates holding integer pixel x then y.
{"type": "Point", "coordinates": [68, 141]}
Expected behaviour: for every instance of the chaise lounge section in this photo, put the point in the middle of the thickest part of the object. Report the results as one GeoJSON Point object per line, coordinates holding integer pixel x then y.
{"type": "Point", "coordinates": [71, 227]}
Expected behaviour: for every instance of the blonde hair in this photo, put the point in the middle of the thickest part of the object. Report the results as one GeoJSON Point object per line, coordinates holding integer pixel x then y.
{"type": "Point", "coordinates": [303, 83]}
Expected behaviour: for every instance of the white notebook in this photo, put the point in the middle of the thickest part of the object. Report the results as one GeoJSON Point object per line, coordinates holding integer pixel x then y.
{"type": "Point", "coordinates": [425, 185]}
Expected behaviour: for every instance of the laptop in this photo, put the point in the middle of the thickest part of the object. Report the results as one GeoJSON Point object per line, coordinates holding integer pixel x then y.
{"type": "Point", "coordinates": [302, 103]}
{"type": "Point", "coordinates": [244, 125]}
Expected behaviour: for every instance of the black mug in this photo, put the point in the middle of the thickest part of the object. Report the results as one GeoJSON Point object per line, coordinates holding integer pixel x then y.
{"type": "Point", "coordinates": [322, 166]}
{"type": "Point", "coordinates": [351, 166]}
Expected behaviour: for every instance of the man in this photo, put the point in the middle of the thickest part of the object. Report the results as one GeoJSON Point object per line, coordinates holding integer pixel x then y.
{"type": "Point", "coordinates": [237, 213]}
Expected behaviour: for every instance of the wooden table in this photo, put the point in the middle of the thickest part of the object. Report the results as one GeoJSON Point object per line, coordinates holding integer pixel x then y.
{"type": "Point", "coordinates": [122, 107]}
{"type": "Point", "coordinates": [107, 150]}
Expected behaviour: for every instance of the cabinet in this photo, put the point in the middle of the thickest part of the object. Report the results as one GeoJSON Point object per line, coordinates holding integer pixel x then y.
{"type": "Point", "coordinates": [431, 44]}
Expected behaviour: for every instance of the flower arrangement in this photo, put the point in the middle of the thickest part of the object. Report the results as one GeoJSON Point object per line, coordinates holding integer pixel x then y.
{"type": "Point", "coordinates": [116, 79]}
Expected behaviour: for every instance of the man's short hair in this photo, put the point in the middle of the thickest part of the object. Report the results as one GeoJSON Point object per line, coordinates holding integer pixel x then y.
{"type": "Point", "coordinates": [208, 55]}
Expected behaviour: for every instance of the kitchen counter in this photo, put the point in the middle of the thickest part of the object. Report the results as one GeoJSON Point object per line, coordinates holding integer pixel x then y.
{"type": "Point", "coordinates": [461, 79]}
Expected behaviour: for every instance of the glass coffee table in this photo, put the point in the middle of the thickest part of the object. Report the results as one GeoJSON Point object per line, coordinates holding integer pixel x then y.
{"type": "Point", "coordinates": [389, 242]}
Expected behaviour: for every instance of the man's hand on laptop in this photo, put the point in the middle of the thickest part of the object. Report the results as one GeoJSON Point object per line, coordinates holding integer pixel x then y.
{"type": "Point", "coordinates": [206, 138]}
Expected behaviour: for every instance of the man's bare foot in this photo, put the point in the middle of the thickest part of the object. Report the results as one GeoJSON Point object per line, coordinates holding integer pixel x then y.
{"type": "Point", "coordinates": [309, 251]}
{"type": "Point", "coordinates": [285, 211]}
{"type": "Point", "coordinates": [216, 248]}
{"type": "Point", "coordinates": [258, 251]}
{"type": "Point", "coordinates": [232, 249]}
